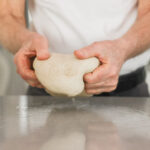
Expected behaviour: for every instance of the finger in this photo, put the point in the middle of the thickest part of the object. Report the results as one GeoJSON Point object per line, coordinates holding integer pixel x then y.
{"type": "Point", "coordinates": [100, 90]}
{"type": "Point", "coordinates": [24, 67]}
{"type": "Point", "coordinates": [40, 86]}
{"type": "Point", "coordinates": [101, 87]}
{"type": "Point", "coordinates": [95, 85]}
{"type": "Point", "coordinates": [98, 75]}
{"type": "Point", "coordinates": [41, 47]}
{"type": "Point", "coordinates": [34, 83]}
{"type": "Point", "coordinates": [29, 53]}
{"type": "Point", "coordinates": [106, 83]}
{"type": "Point", "coordinates": [86, 52]}
{"type": "Point", "coordinates": [43, 54]}
{"type": "Point", "coordinates": [94, 91]}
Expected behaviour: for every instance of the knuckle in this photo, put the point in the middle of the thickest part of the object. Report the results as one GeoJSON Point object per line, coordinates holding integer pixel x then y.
{"type": "Point", "coordinates": [33, 84]}
{"type": "Point", "coordinates": [89, 92]}
{"type": "Point", "coordinates": [89, 80]}
{"type": "Point", "coordinates": [97, 93]}
{"type": "Point", "coordinates": [114, 83]}
{"type": "Point", "coordinates": [114, 87]}
{"type": "Point", "coordinates": [16, 57]}
{"type": "Point", "coordinates": [111, 89]}
{"type": "Point", "coordinates": [113, 73]}
{"type": "Point", "coordinates": [24, 76]}
{"type": "Point", "coordinates": [93, 91]}
{"type": "Point", "coordinates": [95, 43]}
{"type": "Point", "coordinates": [86, 86]}
{"type": "Point", "coordinates": [99, 77]}
{"type": "Point", "coordinates": [108, 90]}
{"type": "Point", "coordinates": [18, 71]}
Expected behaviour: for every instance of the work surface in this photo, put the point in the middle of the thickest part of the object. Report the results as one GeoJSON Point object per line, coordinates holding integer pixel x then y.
{"type": "Point", "coordinates": [46, 123]}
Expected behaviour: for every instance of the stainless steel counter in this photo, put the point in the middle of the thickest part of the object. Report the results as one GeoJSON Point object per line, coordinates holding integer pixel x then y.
{"type": "Point", "coordinates": [46, 123]}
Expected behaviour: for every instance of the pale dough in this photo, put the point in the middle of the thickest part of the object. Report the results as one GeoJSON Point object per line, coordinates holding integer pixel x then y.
{"type": "Point", "coordinates": [62, 74]}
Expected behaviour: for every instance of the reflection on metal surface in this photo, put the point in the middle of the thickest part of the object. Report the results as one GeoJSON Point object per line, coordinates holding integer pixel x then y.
{"type": "Point", "coordinates": [103, 135]}
{"type": "Point", "coordinates": [4, 73]}
{"type": "Point", "coordinates": [78, 129]}
{"type": "Point", "coordinates": [23, 119]}
{"type": "Point", "coordinates": [10, 82]}
{"type": "Point", "coordinates": [80, 124]}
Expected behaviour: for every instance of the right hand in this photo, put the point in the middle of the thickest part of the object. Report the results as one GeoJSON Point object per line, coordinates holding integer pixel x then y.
{"type": "Point", "coordinates": [35, 46]}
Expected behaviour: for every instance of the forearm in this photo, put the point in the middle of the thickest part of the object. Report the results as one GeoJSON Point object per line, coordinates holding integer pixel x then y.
{"type": "Point", "coordinates": [137, 39]}
{"type": "Point", "coordinates": [13, 32]}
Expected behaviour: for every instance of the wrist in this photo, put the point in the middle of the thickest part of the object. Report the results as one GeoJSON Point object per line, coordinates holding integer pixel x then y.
{"type": "Point", "coordinates": [21, 37]}
{"type": "Point", "coordinates": [26, 36]}
{"type": "Point", "coordinates": [127, 47]}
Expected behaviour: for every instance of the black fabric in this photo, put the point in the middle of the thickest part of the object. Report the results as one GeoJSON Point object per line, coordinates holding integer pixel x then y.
{"type": "Point", "coordinates": [36, 91]}
{"type": "Point", "coordinates": [141, 90]}
{"type": "Point", "coordinates": [131, 80]}
{"type": "Point", "coordinates": [129, 85]}
{"type": "Point", "coordinates": [132, 84]}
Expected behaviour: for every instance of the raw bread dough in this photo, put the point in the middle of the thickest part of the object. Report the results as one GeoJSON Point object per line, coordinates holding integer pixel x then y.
{"type": "Point", "coordinates": [62, 74]}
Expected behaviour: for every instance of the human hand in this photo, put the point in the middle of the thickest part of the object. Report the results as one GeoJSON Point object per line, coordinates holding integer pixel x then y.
{"type": "Point", "coordinates": [111, 56]}
{"type": "Point", "coordinates": [35, 45]}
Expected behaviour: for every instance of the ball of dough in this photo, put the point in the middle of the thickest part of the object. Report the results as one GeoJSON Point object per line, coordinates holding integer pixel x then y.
{"type": "Point", "coordinates": [62, 74]}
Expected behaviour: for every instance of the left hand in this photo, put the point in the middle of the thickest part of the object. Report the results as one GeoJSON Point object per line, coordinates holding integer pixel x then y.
{"type": "Point", "coordinates": [111, 55]}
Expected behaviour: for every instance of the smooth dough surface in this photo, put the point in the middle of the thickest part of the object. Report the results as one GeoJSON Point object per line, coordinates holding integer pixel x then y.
{"type": "Point", "coordinates": [62, 74]}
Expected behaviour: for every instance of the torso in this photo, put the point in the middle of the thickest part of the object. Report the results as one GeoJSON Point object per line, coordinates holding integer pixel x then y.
{"type": "Point", "coordinates": [72, 24]}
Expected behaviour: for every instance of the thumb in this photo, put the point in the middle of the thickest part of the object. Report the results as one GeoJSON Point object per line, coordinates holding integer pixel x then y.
{"type": "Point", "coordinates": [85, 53]}
{"type": "Point", "coordinates": [42, 49]}
{"type": "Point", "coordinates": [43, 54]}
